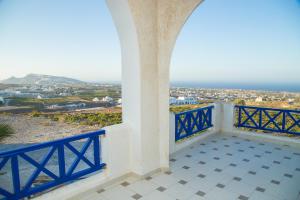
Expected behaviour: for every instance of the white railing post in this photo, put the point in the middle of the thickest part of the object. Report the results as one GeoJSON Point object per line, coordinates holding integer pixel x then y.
{"type": "Point", "coordinates": [217, 117]}
{"type": "Point", "coordinates": [227, 121]}
{"type": "Point", "coordinates": [172, 133]}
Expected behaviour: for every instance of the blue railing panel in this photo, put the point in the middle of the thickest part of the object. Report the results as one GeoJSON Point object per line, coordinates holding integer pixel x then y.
{"type": "Point", "coordinates": [15, 164]}
{"type": "Point", "coordinates": [269, 119]}
{"type": "Point", "coordinates": [191, 122]}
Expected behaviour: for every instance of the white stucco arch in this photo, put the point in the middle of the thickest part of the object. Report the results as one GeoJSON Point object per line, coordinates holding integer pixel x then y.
{"type": "Point", "coordinates": [148, 30]}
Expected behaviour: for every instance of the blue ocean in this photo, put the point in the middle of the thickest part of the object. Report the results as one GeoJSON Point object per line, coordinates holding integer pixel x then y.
{"type": "Point", "coordinates": [284, 87]}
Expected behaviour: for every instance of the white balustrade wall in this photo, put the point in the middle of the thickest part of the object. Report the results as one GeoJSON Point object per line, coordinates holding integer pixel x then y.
{"type": "Point", "coordinates": [116, 151]}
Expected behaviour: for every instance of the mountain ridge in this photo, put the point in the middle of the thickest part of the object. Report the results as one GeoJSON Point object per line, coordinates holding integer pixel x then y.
{"type": "Point", "coordinates": [41, 79]}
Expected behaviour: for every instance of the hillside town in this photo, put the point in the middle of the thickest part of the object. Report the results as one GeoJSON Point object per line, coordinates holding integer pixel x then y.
{"type": "Point", "coordinates": [71, 98]}
{"type": "Point", "coordinates": [45, 93]}
{"type": "Point", "coordinates": [180, 95]}
{"type": "Point", "coordinates": [75, 108]}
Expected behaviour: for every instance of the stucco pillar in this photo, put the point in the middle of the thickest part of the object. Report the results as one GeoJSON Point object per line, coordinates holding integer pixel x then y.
{"type": "Point", "coordinates": [148, 30]}
{"type": "Point", "coordinates": [217, 116]}
{"type": "Point", "coordinates": [227, 121]}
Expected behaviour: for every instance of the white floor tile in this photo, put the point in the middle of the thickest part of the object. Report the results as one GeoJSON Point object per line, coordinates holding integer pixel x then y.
{"type": "Point", "coordinates": [118, 193]}
{"type": "Point", "coordinates": [165, 180]}
{"type": "Point", "coordinates": [180, 191]}
{"type": "Point", "coordinates": [221, 194]}
{"type": "Point", "coordinates": [156, 195]}
{"type": "Point", "coordinates": [143, 187]}
{"type": "Point", "coordinates": [262, 196]}
{"type": "Point", "coordinates": [240, 188]}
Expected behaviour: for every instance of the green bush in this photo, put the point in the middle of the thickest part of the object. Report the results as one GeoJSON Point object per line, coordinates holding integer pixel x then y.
{"type": "Point", "coordinates": [239, 102]}
{"type": "Point", "coordinates": [5, 131]}
{"type": "Point", "coordinates": [90, 119]}
{"type": "Point", "coordinates": [183, 108]}
{"type": "Point", "coordinates": [103, 119]}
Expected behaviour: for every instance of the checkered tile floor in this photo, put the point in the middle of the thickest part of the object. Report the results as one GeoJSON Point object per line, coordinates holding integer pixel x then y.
{"type": "Point", "coordinates": [218, 168]}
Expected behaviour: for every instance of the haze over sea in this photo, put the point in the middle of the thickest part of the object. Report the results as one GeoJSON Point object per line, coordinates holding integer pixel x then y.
{"type": "Point", "coordinates": [280, 87]}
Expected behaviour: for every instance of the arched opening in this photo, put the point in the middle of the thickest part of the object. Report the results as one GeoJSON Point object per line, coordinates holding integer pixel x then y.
{"type": "Point", "coordinates": [60, 77]}
{"type": "Point", "coordinates": [227, 51]}
{"type": "Point", "coordinates": [238, 52]}
{"type": "Point", "coordinates": [57, 58]}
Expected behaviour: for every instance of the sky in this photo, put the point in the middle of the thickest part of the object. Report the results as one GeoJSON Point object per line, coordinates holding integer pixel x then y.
{"type": "Point", "coordinates": [72, 38]}
{"type": "Point", "coordinates": [242, 41]}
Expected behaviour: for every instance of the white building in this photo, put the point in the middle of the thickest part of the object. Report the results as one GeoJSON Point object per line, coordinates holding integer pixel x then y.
{"type": "Point", "coordinates": [96, 99]}
{"type": "Point", "coordinates": [120, 101]}
{"type": "Point", "coordinates": [64, 94]}
{"type": "Point", "coordinates": [55, 106]}
{"type": "Point", "coordinates": [107, 99]}
{"type": "Point", "coordinates": [182, 100]}
{"type": "Point", "coordinates": [259, 99]}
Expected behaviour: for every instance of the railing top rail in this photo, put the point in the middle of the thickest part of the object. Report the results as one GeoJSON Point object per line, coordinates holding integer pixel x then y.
{"type": "Point", "coordinates": [267, 108]}
{"type": "Point", "coordinates": [50, 143]}
{"type": "Point", "coordinates": [193, 110]}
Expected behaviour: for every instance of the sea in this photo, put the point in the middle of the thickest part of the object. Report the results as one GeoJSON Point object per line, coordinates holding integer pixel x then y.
{"type": "Point", "coordinates": [274, 87]}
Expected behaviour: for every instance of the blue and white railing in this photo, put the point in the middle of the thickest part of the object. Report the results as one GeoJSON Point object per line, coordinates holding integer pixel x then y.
{"type": "Point", "coordinates": [61, 161]}
{"type": "Point", "coordinates": [191, 122]}
{"type": "Point", "coordinates": [268, 119]}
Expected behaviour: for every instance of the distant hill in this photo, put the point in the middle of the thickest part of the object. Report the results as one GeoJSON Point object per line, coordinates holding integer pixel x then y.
{"type": "Point", "coordinates": [40, 79]}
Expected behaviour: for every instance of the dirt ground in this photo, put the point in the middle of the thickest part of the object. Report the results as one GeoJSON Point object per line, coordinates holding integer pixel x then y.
{"type": "Point", "coordinates": [39, 129]}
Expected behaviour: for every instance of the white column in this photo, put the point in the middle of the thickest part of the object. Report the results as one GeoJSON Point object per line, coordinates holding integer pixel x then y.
{"type": "Point", "coordinates": [147, 30]}
{"type": "Point", "coordinates": [227, 122]}
{"type": "Point", "coordinates": [217, 117]}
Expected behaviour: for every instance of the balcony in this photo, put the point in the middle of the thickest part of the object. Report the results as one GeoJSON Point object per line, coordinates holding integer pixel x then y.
{"type": "Point", "coordinates": [221, 163]}
{"type": "Point", "coordinates": [211, 157]}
